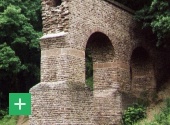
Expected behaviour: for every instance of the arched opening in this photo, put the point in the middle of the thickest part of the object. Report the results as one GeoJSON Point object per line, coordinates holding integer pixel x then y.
{"type": "Point", "coordinates": [56, 3]}
{"type": "Point", "coordinates": [139, 62]}
{"type": "Point", "coordinates": [99, 58]}
{"type": "Point", "coordinates": [142, 75]}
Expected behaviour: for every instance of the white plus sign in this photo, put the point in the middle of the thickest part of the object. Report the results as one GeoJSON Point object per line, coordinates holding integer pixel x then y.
{"type": "Point", "coordinates": [19, 103]}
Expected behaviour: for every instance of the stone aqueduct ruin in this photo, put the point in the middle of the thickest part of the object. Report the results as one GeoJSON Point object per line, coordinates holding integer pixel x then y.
{"type": "Point", "coordinates": [122, 63]}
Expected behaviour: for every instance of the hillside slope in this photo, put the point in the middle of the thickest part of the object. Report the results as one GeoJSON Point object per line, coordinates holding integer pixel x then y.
{"type": "Point", "coordinates": [159, 103]}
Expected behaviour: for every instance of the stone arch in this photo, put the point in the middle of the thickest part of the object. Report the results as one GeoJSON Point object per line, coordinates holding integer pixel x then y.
{"type": "Point", "coordinates": [141, 73]}
{"type": "Point", "coordinates": [100, 47]}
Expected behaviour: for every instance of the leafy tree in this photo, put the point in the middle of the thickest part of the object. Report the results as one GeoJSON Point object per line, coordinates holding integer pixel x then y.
{"type": "Point", "coordinates": [20, 28]}
{"type": "Point", "coordinates": [9, 62]}
{"type": "Point", "coordinates": [156, 16]}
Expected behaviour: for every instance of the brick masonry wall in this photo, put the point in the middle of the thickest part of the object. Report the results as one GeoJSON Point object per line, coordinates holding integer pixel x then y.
{"type": "Point", "coordinates": [61, 103]}
{"type": "Point", "coordinates": [59, 62]}
{"type": "Point", "coordinates": [117, 24]}
{"type": "Point", "coordinates": [142, 73]}
{"type": "Point", "coordinates": [55, 18]}
{"type": "Point", "coordinates": [69, 29]}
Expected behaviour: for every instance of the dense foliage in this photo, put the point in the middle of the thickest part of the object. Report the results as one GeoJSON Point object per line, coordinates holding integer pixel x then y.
{"type": "Point", "coordinates": [133, 114]}
{"type": "Point", "coordinates": [20, 28]}
{"type": "Point", "coordinates": [156, 16]}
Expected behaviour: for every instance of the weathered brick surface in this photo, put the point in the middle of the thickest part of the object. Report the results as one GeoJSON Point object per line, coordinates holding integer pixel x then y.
{"type": "Point", "coordinates": [112, 36]}
{"type": "Point", "coordinates": [61, 103]}
{"type": "Point", "coordinates": [55, 18]}
{"type": "Point", "coordinates": [142, 73]}
{"type": "Point", "coordinates": [53, 42]}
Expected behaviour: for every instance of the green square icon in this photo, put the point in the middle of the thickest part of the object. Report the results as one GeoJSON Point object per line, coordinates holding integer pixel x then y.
{"type": "Point", "coordinates": [19, 104]}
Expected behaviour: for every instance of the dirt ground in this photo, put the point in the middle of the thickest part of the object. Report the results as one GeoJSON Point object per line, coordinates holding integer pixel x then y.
{"type": "Point", "coordinates": [22, 120]}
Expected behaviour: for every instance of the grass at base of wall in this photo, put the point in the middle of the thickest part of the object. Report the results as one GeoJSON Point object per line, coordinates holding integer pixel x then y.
{"type": "Point", "coordinates": [160, 118]}
{"type": "Point", "coordinates": [158, 113]}
{"type": "Point", "coordinates": [9, 120]}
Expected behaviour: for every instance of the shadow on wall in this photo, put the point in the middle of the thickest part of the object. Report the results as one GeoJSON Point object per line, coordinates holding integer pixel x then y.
{"type": "Point", "coordinates": [162, 69]}
{"type": "Point", "coordinates": [142, 73]}
{"type": "Point", "coordinates": [56, 3]}
{"type": "Point", "coordinates": [142, 79]}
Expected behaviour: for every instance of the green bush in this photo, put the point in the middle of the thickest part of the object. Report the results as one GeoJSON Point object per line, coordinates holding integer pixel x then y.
{"type": "Point", "coordinates": [133, 114]}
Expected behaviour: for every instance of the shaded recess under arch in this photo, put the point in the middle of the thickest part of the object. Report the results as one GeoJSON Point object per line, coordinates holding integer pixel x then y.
{"type": "Point", "coordinates": [56, 3]}
{"type": "Point", "coordinates": [99, 48]}
{"type": "Point", "coordinates": [142, 73]}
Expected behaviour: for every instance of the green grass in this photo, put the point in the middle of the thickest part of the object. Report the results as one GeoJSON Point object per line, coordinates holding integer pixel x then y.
{"type": "Point", "coordinates": [161, 118]}
{"type": "Point", "coordinates": [6, 119]}
{"type": "Point", "coordinates": [9, 120]}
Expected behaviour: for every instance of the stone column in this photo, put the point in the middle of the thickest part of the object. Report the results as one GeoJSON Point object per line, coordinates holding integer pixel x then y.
{"type": "Point", "coordinates": [107, 99]}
